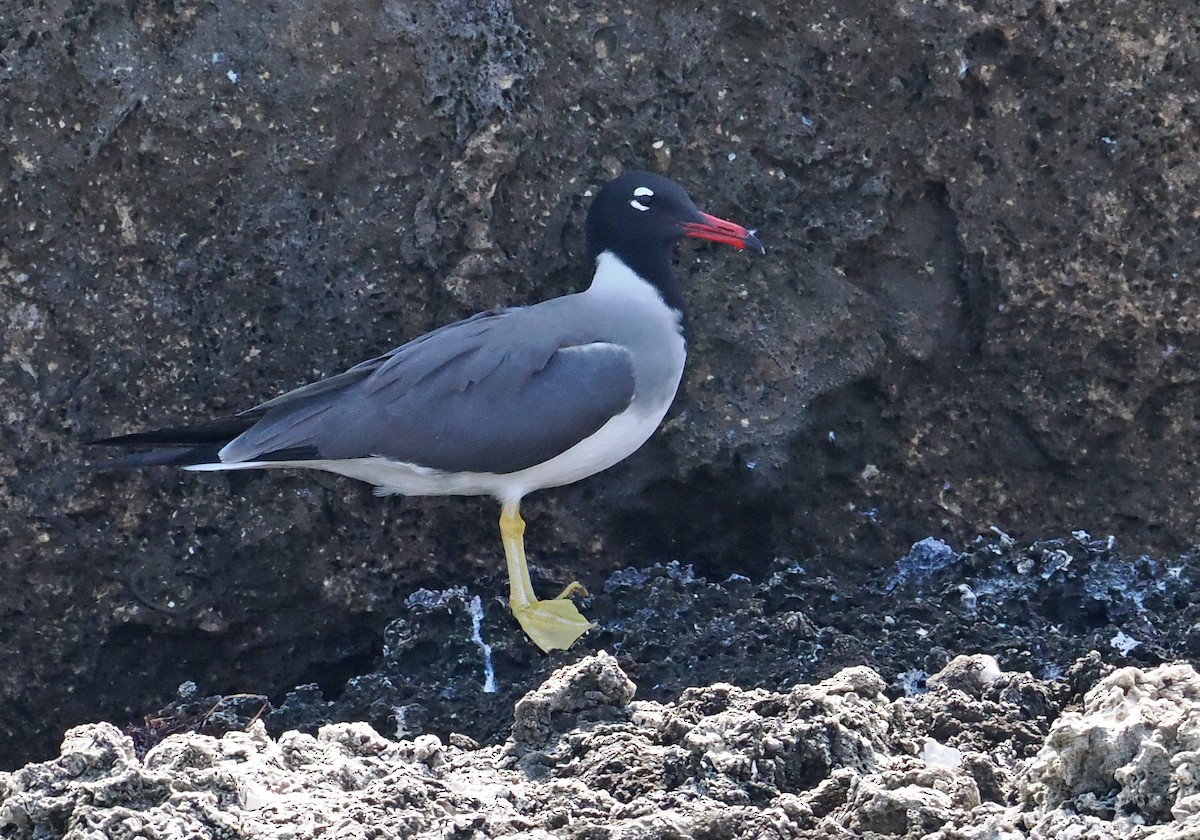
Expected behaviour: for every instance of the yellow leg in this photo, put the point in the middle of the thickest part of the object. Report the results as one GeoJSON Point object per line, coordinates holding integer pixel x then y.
{"type": "Point", "coordinates": [550, 624]}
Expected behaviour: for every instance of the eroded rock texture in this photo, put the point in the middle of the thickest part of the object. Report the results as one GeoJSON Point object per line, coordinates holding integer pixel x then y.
{"type": "Point", "coordinates": [978, 309]}
{"type": "Point", "coordinates": [834, 759]}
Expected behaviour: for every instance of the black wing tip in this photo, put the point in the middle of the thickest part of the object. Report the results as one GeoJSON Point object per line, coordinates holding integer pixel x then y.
{"type": "Point", "coordinates": [181, 446]}
{"type": "Point", "coordinates": [203, 434]}
{"type": "Point", "coordinates": [183, 455]}
{"type": "Point", "coordinates": [171, 457]}
{"type": "Point", "coordinates": [119, 440]}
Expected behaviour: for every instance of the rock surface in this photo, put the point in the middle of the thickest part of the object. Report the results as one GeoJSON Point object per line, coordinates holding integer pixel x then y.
{"type": "Point", "coordinates": [584, 760]}
{"type": "Point", "coordinates": [979, 309]}
{"type": "Point", "coordinates": [453, 664]}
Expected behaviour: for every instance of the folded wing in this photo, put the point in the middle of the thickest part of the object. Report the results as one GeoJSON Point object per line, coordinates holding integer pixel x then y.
{"type": "Point", "coordinates": [496, 393]}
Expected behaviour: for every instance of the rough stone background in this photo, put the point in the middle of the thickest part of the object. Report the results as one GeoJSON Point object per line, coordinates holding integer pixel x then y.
{"type": "Point", "coordinates": [978, 309]}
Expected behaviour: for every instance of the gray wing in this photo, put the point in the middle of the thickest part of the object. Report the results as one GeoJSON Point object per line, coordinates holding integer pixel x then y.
{"type": "Point", "coordinates": [496, 393]}
{"type": "Point", "coordinates": [362, 370]}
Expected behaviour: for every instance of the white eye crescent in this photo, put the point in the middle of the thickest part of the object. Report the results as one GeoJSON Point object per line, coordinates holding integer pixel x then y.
{"type": "Point", "coordinates": [641, 192]}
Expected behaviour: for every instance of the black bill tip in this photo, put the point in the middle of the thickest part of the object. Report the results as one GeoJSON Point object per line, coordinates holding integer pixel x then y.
{"type": "Point", "coordinates": [752, 241]}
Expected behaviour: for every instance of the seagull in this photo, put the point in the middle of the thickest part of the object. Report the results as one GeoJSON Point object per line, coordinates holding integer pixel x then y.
{"type": "Point", "coordinates": [506, 402]}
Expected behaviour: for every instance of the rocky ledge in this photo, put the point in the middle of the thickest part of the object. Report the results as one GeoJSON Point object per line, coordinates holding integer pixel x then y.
{"type": "Point", "coordinates": [982, 753]}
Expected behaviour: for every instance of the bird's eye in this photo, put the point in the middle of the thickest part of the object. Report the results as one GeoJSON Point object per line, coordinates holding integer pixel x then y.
{"type": "Point", "coordinates": [641, 198]}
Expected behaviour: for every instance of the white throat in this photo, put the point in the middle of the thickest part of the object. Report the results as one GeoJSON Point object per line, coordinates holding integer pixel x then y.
{"type": "Point", "coordinates": [614, 279]}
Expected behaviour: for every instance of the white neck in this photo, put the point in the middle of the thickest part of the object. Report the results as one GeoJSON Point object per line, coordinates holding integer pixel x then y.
{"type": "Point", "coordinates": [614, 279]}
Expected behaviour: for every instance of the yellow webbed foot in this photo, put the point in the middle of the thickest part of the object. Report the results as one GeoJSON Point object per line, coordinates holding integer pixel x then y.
{"type": "Point", "coordinates": [552, 625]}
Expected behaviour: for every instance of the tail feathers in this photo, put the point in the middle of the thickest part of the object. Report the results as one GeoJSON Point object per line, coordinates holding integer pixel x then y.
{"type": "Point", "coordinates": [218, 431]}
{"type": "Point", "coordinates": [175, 456]}
{"type": "Point", "coordinates": [180, 446]}
{"type": "Point", "coordinates": [186, 446]}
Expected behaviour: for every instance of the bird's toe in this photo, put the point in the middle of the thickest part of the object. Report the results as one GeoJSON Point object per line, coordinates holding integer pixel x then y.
{"type": "Point", "coordinates": [555, 624]}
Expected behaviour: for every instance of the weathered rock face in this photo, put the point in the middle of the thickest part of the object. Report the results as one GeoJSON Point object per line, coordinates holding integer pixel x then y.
{"type": "Point", "coordinates": [978, 306]}
{"type": "Point", "coordinates": [1144, 767]}
{"type": "Point", "coordinates": [973, 758]}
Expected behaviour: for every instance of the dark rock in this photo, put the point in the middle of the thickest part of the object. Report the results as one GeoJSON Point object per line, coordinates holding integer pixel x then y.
{"type": "Point", "coordinates": [976, 311]}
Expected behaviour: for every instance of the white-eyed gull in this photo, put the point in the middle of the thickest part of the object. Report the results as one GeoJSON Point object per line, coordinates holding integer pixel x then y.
{"type": "Point", "coordinates": [501, 404]}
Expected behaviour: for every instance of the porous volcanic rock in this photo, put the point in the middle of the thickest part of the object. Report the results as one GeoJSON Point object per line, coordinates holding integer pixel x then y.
{"type": "Point", "coordinates": [978, 309]}
{"type": "Point", "coordinates": [834, 759]}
